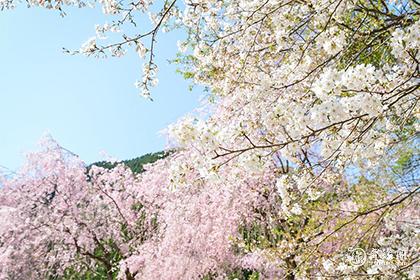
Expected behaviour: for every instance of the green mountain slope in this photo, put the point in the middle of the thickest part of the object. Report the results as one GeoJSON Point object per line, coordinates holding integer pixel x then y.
{"type": "Point", "coordinates": [135, 164]}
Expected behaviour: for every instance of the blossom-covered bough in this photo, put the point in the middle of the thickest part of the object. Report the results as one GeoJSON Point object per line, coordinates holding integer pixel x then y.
{"type": "Point", "coordinates": [304, 165]}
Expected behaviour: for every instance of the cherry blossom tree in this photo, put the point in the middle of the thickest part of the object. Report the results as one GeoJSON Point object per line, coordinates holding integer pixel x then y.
{"type": "Point", "coordinates": [61, 219]}
{"type": "Point", "coordinates": [303, 165]}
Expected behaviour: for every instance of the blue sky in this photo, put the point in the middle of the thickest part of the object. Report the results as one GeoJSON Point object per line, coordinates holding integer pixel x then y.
{"type": "Point", "coordinates": [88, 105]}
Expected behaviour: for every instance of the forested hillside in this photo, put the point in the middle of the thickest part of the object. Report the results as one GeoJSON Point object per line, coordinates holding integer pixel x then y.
{"type": "Point", "coordinates": [136, 164]}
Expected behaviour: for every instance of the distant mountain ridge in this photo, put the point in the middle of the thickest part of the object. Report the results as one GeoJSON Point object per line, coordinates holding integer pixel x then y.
{"type": "Point", "coordinates": [136, 164]}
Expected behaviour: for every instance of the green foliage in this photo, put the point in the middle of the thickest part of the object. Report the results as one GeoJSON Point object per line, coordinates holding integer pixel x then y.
{"type": "Point", "coordinates": [244, 274]}
{"type": "Point", "coordinates": [405, 168]}
{"type": "Point", "coordinates": [240, 274]}
{"type": "Point", "coordinates": [370, 34]}
{"type": "Point", "coordinates": [403, 161]}
{"type": "Point", "coordinates": [106, 257]}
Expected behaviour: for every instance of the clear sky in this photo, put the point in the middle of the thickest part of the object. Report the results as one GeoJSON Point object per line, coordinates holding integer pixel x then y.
{"type": "Point", "coordinates": [88, 105]}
